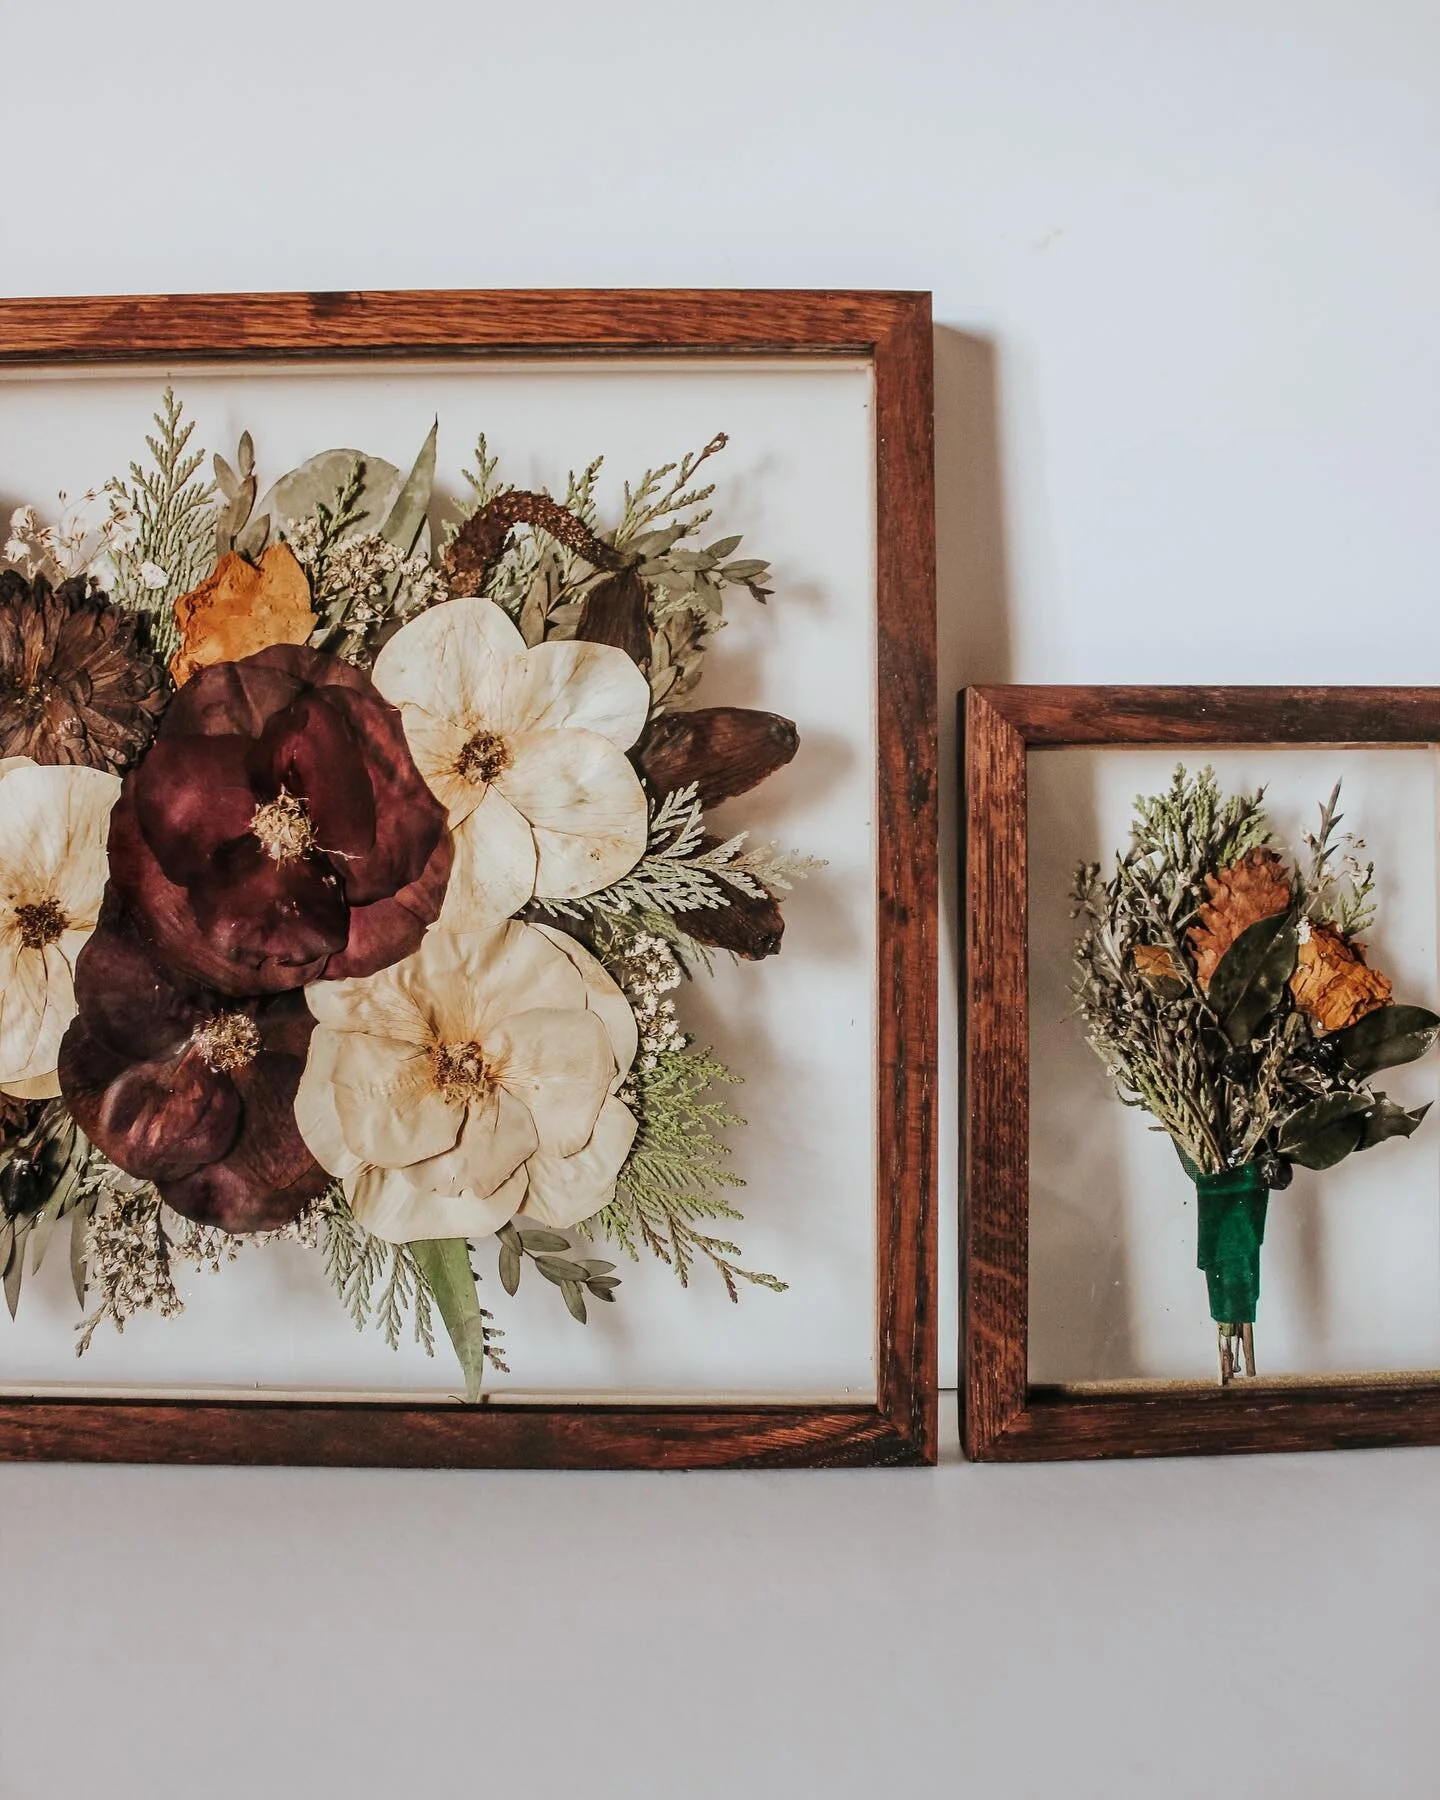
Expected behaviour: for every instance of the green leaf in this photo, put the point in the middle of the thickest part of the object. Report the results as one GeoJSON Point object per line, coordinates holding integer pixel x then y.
{"type": "Point", "coordinates": [1251, 976]}
{"type": "Point", "coordinates": [575, 1301]}
{"type": "Point", "coordinates": [1386, 1038]}
{"type": "Point", "coordinates": [15, 1273]}
{"type": "Point", "coordinates": [406, 518]}
{"type": "Point", "coordinates": [560, 1268]}
{"type": "Point", "coordinates": [1390, 1120]}
{"type": "Point", "coordinates": [510, 1260]}
{"type": "Point", "coordinates": [1325, 1132]}
{"type": "Point", "coordinates": [536, 1240]}
{"type": "Point", "coordinates": [79, 1272]}
{"type": "Point", "coordinates": [445, 1264]}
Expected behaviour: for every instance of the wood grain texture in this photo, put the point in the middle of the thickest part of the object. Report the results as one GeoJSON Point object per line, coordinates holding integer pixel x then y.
{"type": "Point", "coordinates": [1004, 1418]}
{"type": "Point", "coordinates": [518, 322]}
{"type": "Point", "coordinates": [893, 331]}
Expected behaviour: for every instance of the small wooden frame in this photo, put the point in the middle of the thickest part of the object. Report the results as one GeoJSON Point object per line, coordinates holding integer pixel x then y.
{"type": "Point", "coordinates": [892, 332]}
{"type": "Point", "coordinates": [1005, 1418]}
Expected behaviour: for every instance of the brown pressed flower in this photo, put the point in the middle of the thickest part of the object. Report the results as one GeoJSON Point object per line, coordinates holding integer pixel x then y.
{"type": "Point", "coordinates": [722, 750]}
{"type": "Point", "coordinates": [1157, 962]}
{"type": "Point", "coordinates": [1257, 887]}
{"type": "Point", "coordinates": [76, 683]}
{"type": "Point", "coordinates": [240, 609]}
{"type": "Point", "coordinates": [1331, 983]}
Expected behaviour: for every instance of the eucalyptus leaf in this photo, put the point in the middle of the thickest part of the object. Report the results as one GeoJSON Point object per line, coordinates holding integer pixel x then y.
{"type": "Point", "coordinates": [510, 1261]}
{"type": "Point", "coordinates": [253, 539]}
{"type": "Point", "coordinates": [247, 453]}
{"type": "Point", "coordinates": [574, 1301]}
{"type": "Point", "coordinates": [226, 479]}
{"type": "Point", "coordinates": [296, 495]}
{"type": "Point", "coordinates": [15, 1274]}
{"type": "Point", "coordinates": [406, 518]}
{"type": "Point", "coordinates": [1251, 976]}
{"type": "Point", "coordinates": [744, 568]}
{"type": "Point", "coordinates": [560, 1269]}
{"type": "Point", "coordinates": [445, 1264]}
{"type": "Point", "coordinates": [1386, 1038]}
{"type": "Point", "coordinates": [535, 1240]}
{"type": "Point", "coordinates": [723, 547]}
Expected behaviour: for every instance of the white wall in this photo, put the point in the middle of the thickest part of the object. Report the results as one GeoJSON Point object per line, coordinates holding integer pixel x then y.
{"type": "Point", "coordinates": [1186, 264]}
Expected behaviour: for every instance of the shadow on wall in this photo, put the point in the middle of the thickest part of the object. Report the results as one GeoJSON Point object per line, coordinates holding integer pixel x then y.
{"type": "Point", "coordinates": [1079, 1319]}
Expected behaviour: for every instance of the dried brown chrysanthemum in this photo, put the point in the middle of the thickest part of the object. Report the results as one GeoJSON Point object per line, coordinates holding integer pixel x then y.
{"type": "Point", "coordinates": [1255, 888]}
{"type": "Point", "coordinates": [1331, 983]}
{"type": "Point", "coordinates": [76, 683]}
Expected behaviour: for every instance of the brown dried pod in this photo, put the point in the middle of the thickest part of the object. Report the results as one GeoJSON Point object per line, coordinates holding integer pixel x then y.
{"type": "Point", "coordinates": [1257, 887]}
{"type": "Point", "coordinates": [1332, 984]}
{"type": "Point", "coordinates": [724, 750]}
{"type": "Point", "coordinates": [77, 684]}
{"type": "Point", "coordinates": [750, 926]}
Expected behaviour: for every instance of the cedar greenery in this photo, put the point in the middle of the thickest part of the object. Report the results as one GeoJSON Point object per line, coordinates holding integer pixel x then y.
{"type": "Point", "coordinates": [676, 1174]}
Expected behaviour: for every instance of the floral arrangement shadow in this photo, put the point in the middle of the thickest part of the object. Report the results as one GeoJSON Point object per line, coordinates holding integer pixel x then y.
{"type": "Point", "coordinates": [350, 868]}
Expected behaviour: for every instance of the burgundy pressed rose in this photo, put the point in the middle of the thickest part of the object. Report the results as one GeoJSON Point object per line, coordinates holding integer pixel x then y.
{"type": "Point", "coordinates": [188, 1088]}
{"type": "Point", "coordinates": [278, 831]}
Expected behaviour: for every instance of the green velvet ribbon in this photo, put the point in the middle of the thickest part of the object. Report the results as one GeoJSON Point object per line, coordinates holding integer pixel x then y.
{"type": "Point", "coordinates": [1231, 1230]}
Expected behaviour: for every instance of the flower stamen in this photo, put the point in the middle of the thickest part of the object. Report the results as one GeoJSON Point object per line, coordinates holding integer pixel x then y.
{"type": "Point", "coordinates": [484, 756]}
{"type": "Point", "coordinates": [41, 922]}
{"type": "Point", "coordinates": [461, 1071]}
{"type": "Point", "coordinates": [283, 827]}
{"type": "Point", "coordinates": [227, 1041]}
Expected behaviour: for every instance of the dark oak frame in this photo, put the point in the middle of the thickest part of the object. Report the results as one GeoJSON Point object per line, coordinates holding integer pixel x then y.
{"type": "Point", "coordinates": [893, 332]}
{"type": "Point", "coordinates": [1005, 1417]}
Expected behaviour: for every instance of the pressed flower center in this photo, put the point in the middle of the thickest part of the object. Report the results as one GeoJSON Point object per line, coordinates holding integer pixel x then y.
{"type": "Point", "coordinates": [41, 922]}
{"type": "Point", "coordinates": [283, 828]}
{"type": "Point", "coordinates": [227, 1041]}
{"type": "Point", "coordinates": [485, 756]}
{"type": "Point", "coordinates": [461, 1072]}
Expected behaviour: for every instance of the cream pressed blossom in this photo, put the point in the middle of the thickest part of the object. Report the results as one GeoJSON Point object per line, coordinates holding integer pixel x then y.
{"type": "Point", "coordinates": [53, 825]}
{"type": "Point", "coordinates": [525, 748]}
{"type": "Point", "coordinates": [474, 1081]}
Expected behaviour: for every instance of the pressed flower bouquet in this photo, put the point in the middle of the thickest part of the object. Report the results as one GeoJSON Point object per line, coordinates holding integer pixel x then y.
{"type": "Point", "coordinates": [352, 865]}
{"type": "Point", "coordinates": [1223, 978]}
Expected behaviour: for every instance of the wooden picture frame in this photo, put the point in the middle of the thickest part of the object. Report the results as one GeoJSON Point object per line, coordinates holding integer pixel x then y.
{"type": "Point", "coordinates": [892, 332]}
{"type": "Point", "coordinates": [1004, 1416]}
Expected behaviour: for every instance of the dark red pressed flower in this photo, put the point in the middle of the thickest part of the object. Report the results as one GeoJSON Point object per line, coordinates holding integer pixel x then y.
{"type": "Point", "coordinates": [278, 831]}
{"type": "Point", "coordinates": [188, 1088]}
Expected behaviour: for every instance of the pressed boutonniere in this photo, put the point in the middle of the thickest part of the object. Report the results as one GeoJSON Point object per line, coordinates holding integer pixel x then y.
{"type": "Point", "coordinates": [1224, 982]}
{"type": "Point", "coordinates": [351, 867]}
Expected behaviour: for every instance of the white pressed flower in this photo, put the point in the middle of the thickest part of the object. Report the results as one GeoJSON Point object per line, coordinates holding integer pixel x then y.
{"type": "Point", "coordinates": [525, 748]}
{"type": "Point", "coordinates": [474, 1081]}
{"type": "Point", "coordinates": [153, 575]}
{"type": "Point", "coordinates": [23, 520]}
{"type": "Point", "coordinates": [53, 827]}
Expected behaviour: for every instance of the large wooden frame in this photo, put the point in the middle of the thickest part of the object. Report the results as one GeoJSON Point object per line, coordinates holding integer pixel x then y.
{"type": "Point", "coordinates": [1005, 1417]}
{"type": "Point", "coordinates": [892, 331]}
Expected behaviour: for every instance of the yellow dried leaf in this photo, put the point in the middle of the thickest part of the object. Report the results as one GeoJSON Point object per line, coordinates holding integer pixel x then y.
{"type": "Point", "coordinates": [241, 609]}
{"type": "Point", "coordinates": [1332, 984]}
{"type": "Point", "coordinates": [1157, 962]}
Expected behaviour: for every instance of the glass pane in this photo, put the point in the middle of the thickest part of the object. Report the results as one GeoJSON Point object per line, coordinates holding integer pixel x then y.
{"type": "Point", "coordinates": [1351, 1254]}
{"type": "Point", "coordinates": [797, 480]}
